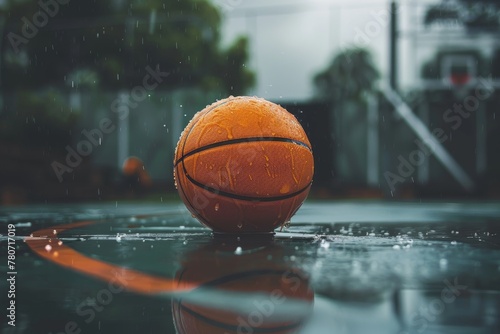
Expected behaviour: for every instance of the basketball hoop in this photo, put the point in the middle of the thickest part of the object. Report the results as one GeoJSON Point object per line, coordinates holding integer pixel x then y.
{"type": "Point", "coordinates": [459, 72]}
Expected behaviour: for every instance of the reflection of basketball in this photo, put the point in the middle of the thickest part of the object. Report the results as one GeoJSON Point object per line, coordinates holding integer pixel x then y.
{"type": "Point", "coordinates": [243, 164]}
{"type": "Point", "coordinates": [248, 293]}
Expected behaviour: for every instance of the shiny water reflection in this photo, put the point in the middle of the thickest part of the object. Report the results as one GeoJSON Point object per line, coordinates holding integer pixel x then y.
{"type": "Point", "coordinates": [243, 287]}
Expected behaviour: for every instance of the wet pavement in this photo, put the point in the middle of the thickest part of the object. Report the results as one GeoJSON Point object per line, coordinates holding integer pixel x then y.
{"type": "Point", "coordinates": [341, 267]}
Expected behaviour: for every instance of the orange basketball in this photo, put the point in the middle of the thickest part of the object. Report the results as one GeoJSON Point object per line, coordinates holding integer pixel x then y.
{"type": "Point", "coordinates": [243, 165]}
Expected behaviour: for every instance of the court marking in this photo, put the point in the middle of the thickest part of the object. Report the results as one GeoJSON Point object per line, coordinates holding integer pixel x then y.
{"type": "Point", "coordinates": [67, 257]}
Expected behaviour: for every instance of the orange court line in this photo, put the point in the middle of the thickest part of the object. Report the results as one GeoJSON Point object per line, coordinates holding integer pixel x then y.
{"type": "Point", "coordinates": [46, 244]}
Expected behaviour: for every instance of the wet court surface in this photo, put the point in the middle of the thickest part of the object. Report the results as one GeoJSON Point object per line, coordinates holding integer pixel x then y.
{"type": "Point", "coordinates": [341, 267]}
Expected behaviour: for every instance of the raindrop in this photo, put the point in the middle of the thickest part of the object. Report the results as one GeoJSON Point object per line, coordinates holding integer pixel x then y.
{"type": "Point", "coordinates": [185, 242]}
{"type": "Point", "coordinates": [216, 208]}
{"type": "Point", "coordinates": [240, 225]}
{"type": "Point", "coordinates": [396, 247]}
{"type": "Point", "coordinates": [443, 264]}
{"type": "Point", "coordinates": [238, 251]}
{"type": "Point", "coordinates": [48, 248]}
{"type": "Point", "coordinates": [27, 224]}
{"type": "Point", "coordinates": [453, 242]}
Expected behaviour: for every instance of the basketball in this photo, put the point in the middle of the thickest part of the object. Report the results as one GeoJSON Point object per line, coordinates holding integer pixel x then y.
{"type": "Point", "coordinates": [243, 165]}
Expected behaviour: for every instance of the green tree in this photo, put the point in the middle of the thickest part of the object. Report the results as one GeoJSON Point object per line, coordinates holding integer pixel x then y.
{"type": "Point", "coordinates": [113, 42]}
{"type": "Point", "coordinates": [351, 74]}
{"type": "Point", "coordinates": [348, 84]}
{"type": "Point", "coordinates": [106, 46]}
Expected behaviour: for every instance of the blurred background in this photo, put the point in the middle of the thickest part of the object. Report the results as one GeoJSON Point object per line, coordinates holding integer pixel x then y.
{"type": "Point", "coordinates": [398, 98]}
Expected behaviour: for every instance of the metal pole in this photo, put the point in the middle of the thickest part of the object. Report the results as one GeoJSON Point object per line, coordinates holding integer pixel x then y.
{"type": "Point", "coordinates": [393, 46]}
{"type": "Point", "coordinates": [372, 143]}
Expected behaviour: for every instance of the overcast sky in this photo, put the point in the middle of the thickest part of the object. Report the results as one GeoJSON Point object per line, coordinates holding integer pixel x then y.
{"type": "Point", "coordinates": [293, 40]}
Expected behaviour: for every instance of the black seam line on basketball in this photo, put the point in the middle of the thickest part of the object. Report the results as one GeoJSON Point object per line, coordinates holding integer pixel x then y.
{"type": "Point", "coordinates": [245, 198]}
{"type": "Point", "coordinates": [230, 327]}
{"type": "Point", "coordinates": [239, 141]}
